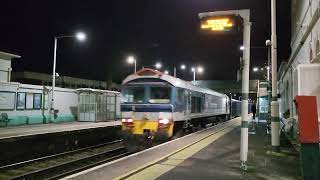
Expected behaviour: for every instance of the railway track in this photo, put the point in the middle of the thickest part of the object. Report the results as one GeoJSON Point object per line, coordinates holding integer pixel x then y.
{"type": "Point", "coordinates": [63, 164]}
{"type": "Point", "coordinates": [67, 163]}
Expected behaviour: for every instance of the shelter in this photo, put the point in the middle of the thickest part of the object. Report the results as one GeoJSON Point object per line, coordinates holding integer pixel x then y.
{"type": "Point", "coordinates": [98, 105]}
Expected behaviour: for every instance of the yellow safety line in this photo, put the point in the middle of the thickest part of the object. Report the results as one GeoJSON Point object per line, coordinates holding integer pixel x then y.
{"type": "Point", "coordinates": [154, 170]}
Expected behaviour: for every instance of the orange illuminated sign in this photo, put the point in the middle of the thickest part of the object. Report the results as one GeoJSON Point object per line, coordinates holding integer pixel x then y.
{"type": "Point", "coordinates": [217, 24]}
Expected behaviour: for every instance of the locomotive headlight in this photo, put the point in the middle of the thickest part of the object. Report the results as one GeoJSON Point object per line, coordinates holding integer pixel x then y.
{"type": "Point", "coordinates": [129, 120]}
{"type": "Point", "coordinates": [164, 121]}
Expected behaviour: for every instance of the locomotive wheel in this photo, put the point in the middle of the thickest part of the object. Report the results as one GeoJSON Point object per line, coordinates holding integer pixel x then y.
{"type": "Point", "coordinates": [178, 134]}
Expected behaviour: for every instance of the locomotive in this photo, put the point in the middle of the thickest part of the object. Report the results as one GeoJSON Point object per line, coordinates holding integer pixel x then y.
{"type": "Point", "coordinates": [156, 107]}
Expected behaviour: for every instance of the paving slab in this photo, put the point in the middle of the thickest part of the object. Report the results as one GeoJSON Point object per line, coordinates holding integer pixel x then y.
{"type": "Point", "coordinates": [220, 160]}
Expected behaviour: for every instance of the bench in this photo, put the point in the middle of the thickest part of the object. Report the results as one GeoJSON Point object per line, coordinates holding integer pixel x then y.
{"type": "Point", "coordinates": [4, 118]}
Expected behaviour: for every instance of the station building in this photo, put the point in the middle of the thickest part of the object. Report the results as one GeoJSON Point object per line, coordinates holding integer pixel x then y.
{"type": "Point", "coordinates": [300, 75]}
{"type": "Point", "coordinates": [232, 88]}
{"type": "Point", "coordinates": [37, 78]}
{"type": "Point", "coordinates": [22, 104]}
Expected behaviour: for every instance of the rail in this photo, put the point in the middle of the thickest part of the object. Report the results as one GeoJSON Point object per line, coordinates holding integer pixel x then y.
{"type": "Point", "coordinates": [63, 164]}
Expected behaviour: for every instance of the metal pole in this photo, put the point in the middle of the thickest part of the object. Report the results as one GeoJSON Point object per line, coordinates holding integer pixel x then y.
{"type": "Point", "coordinates": [175, 72]}
{"type": "Point", "coordinates": [268, 66]}
{"type": "Point", "coordinates": [275, 123]}
{"type": "Point", "coordinates": [53, 78]}
{"type": "Point", "coordinates": [194, 75]}
{"type": "Point", "coordinates": [9, 74]}
{"type": "Point", "coordinates": [245, 94]}
{"type": "Point", "coordinates": [269, 87]}
{"type": "Point", "coordinates": [135, 65]}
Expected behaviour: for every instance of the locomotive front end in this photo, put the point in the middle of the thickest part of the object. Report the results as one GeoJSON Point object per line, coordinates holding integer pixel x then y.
{"type": "Point", "coordinates": [147, 112]}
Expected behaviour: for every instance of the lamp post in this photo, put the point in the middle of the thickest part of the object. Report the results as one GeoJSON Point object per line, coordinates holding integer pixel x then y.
{"type": "Point", "coordinates": [268, 44]}
{"type": "Point", "coordinates": [198, 69]}
{"type": "Point", "coordinates": [182, 67]}
{"type": "Point", "coordinates": [194, 73]}
{"type": "Point", "coordinates": [158, 65]}
{"type": "Point", "coordinates": [81, 37]}
{"type": "Point", "coordinates": [132, 60]}
{"type": "Point", "coordinates": [275, 122]}
{"type": "Point", "coordinates": [255, 69]}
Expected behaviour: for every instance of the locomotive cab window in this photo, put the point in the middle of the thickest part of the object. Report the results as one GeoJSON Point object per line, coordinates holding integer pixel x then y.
{"type": "Point", "coordinates": [160, 94]}
{"type": "Point", "coordinates": [133, 95]}
{"type": "Point", "coordinates": [180, 96]}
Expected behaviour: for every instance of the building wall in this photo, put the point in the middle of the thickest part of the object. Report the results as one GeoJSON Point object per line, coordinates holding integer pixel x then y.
{"type": "Point", "coordinates": [297, 79]}
{"type": "Point", "coordinates": [5, 66]}
{"type": "Point", "coordinates": [303, 11]}
{"type": "Point", "coordinates": [35, 108]}
{"type": "Point", "coordinates": [61, 81]}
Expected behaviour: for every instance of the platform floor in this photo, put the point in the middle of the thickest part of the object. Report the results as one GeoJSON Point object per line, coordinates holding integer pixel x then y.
{"type": "Point", "coordinates": [121, 168]}
{"type": "Point", "coordinates": [209, 154]}
{"type": "Point", "coordinates": [219, 159]}
{"type": "Point", "coordinates": [27, 130]}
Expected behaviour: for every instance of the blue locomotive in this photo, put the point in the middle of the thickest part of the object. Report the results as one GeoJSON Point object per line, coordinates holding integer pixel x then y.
{"type": "Point", "coordinates": [155, 105]}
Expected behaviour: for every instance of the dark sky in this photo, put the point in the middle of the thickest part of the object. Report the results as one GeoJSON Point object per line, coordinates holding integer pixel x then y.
{"type": "Point", "coordinates": [150, 30]}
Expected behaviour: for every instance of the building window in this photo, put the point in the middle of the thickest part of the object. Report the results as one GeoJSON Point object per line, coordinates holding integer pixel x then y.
{"type": "Point", "coordinates": [318, 48]}
{"type": "Point", "coordinates": [21, 101]}
{"type": "Point", "coordinates": [37, 99]}
{"type": "Point", "coordinates": [180, 96]}
{"type": "Point", "coordinates": [7, 100]}
{"type": "Point", "coordinates": [311, 54]}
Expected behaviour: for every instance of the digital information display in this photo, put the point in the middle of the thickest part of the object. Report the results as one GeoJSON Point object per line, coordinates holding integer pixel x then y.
{"type": "Point", "coordinates": [219, 24]}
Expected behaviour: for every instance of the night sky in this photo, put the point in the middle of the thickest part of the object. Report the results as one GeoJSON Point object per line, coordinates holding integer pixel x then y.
{"type": "Point", "coordinates": [166, 30]}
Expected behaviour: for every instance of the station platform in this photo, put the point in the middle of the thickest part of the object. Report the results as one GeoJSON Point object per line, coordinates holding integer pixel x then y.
{"type": "Point", "coordinates": [28, 130]}
{"type": "Point", "coordinates": [212, 153]}
{"type": "Point", "coordinates": [22, 143]}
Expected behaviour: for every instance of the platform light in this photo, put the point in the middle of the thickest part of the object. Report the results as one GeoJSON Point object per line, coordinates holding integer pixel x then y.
{"type": "Point", "coordinates": [200, 69]}
{"type": "Point", "coordinates": [255, 69]}
{"type": "Point", "coordinates": [166, 72]}
{"type": "Point", "coordinates": [158, 65]}
{"type": "Point", "coordinates": [130, 59]}
{"type": "Point", "coordinates": [261, 69]}
{"type": "Point", "coordinates": [193, 69]}
{"type": "Point", "coordinates": [81, 36]}
{"type": "Point", "coordinates": [241, 48]}
{"type": "Point", "coordinates": [183, 67]}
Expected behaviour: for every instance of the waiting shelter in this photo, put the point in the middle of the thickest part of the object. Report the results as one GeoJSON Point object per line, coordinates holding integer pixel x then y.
{"type": "Point", "coordinates": [98, 105]}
